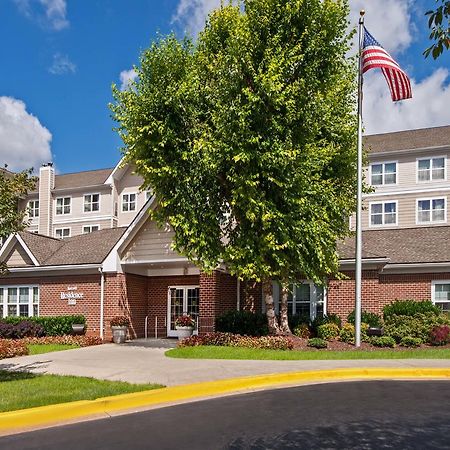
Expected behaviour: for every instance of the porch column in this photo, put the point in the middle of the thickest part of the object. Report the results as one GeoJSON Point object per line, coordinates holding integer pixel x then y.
{"type": "Point", "coordinates": [209, 298]}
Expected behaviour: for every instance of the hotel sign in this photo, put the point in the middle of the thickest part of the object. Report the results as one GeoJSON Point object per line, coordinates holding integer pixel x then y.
{"type": "Point", "coordinates": [71, 295]}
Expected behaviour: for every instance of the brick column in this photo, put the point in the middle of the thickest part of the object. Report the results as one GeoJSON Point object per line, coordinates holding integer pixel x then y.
{"type": "Point", "coordinates": [209, 295]}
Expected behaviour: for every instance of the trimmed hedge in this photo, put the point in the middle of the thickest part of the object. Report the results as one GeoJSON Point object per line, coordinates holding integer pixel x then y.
{"type": "Point", "coordinates": [383, 341]}
{"type": "Point", "coordinates": [52, 326]}
{"type": "Point", "coordinates": [242, 322]}
{"type": "Point", "coordinates": [410, 308]}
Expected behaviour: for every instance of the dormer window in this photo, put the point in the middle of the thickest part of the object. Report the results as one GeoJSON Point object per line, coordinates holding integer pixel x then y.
{"type": "Point", "coordinates": [33, 208]}
{"type": "Point", "coordinates": [431, 169]}
{"type": "Point", "coordinates": [383, 173]}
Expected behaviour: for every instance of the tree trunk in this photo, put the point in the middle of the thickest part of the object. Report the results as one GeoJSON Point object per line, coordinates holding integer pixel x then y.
{"type": "Point", "coordinates": [284, 323]}
{"type": "Point", "coordinates": [272, 321]}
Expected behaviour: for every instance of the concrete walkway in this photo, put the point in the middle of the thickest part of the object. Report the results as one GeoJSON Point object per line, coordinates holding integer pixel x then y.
{"type": "Point", "coordinates": [145, 363]}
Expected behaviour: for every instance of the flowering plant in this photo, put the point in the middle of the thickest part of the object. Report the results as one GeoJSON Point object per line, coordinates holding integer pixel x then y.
{"type": "Point", "coordinates": [184, 321]}
{"type": "Point", "coordinates": [120, 321]}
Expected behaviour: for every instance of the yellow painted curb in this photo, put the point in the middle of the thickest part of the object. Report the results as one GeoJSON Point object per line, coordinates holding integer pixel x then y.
{"type": "Point", "coordinates": [64, 412]}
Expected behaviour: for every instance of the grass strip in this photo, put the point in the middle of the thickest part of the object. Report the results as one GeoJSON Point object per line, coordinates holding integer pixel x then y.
{"type": "Point", "coordinates": [20, 390]}
{"type": "Point", "coordinates": [213, 352]}
{"type": "Point", "coordinates": [37, 349]}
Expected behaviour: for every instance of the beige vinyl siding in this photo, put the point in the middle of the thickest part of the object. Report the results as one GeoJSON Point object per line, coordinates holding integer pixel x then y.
{"type": "Point", "coordinates": [76, 228]}
{"type": "Point", "coordinates": [406, 209]}
{"type": "Point", "coordinates": [407, 170]}
{"type": "Point", "coordinates": [151, 243]}
{"type": "Point", "coordinates": [18, 257]}
{"type": "Point", "coordinates": [130, 183]}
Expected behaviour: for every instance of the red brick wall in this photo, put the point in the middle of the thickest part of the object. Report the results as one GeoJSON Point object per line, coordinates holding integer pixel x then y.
{"type": "Point", "coordinates": [379, 290]}
{"type": "Point", "coordinates": [50, 303]}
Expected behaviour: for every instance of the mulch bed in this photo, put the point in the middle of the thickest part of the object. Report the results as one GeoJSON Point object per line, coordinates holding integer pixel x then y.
{"type": "Point", "coordinates": [302, 344]}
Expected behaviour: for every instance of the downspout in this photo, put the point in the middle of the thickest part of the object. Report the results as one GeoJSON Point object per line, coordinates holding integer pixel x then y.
{"type": "Point", "coordinates": [238, 295]}
{"type": "Point", "coordinates": [102, 298]}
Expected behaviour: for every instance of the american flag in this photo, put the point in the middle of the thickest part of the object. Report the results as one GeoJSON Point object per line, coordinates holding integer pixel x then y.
{"type": "Point", "coordinates": [373, 56]}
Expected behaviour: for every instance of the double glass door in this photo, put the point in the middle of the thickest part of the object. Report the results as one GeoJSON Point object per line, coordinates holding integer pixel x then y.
{"type": "Point", "coordinates": [182, 300]}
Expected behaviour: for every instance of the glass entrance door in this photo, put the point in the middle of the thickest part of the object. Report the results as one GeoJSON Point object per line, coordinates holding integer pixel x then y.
{"type": "Point", "coordinates": [182, 300]}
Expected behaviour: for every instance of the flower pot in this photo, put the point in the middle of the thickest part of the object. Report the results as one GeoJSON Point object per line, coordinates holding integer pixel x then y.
{"type": "Point", "coordinates": [184, 332]}
{"type": "Point", "coordinates": [119, 334]}
{"type": "Point", "coordinates": [78, 328]}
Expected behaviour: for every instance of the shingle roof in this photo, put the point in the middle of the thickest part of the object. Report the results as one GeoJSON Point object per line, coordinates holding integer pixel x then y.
{"type": "Point", "coordinates": [82, 179]}
{"type": "Point", "coordinates": [91, 248]}
{"type": "Point", "coordinates": [403, 245]}
{"type": "Point", "coordinates": [406, 140]}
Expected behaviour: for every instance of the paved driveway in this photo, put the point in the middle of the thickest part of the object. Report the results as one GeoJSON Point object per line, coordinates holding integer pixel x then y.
{"type": "Point", "coordinates": [136, 363]}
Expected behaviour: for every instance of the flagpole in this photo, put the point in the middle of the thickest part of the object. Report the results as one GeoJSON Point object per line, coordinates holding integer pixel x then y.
{"type": "Point", "coordinates": [358, 256]}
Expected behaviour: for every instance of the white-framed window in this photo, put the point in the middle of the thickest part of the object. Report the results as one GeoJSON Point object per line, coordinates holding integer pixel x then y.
{"type": "Point", "coordinates": [62, 233]}
{"type": "Point", "coordinates": [19, 301]}
{"type": "Point", "coordinates": [90, 228]}
{"type": "Point", "coordinates": [431, 210]}
{"type": "Point", "coordinates": [383, 213]}
{"type": "Point", "coordinates": [129, 202]}
{"type": "Point", "coordinates": [33, 208]}
{"type": "Point", "coordinates": [440, 294]}
{"type": "Point", "coordinates": [304, 299]}
{"type": "Point", "coordinates": [148, 194]}
{"type": "Point", "coordinates": [91, 203]}
{"type": "Point", "coordinates": [431, 169]}
{"type": "Point", "coordinates": [63, 205]}
{"type": "Point", "coordinates": [383, 173]}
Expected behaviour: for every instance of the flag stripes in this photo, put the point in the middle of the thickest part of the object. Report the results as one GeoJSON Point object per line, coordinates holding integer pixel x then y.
{"type": "Point", "coordinates": [375, 56]}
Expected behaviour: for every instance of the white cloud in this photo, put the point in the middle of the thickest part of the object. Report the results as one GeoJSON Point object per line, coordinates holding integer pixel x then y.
{"type": "Point", "coordinates": [428, 107]}
{"type": "Point", "coordinates": [62, 65]}
{"type": "Point", "coordinates": [126, 77]}
{"type": "Point", "coordinates": [49, 13]}
{"type": "Point", "coordinates": [24, 141]}
{"type": "Point", "coordinates": [191, 14]}
{"type": "Point", "coordinates": [389, 21]}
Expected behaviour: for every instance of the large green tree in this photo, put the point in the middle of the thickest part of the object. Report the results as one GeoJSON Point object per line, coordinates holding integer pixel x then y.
{"type": "Point", "coordinates": [247, 138]}
{"type": "Point", "coordinates": [439, 25]}
{"type": "Point", "coordinates": [13, 187]}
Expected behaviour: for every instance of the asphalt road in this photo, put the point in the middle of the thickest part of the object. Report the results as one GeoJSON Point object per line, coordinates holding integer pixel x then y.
{"type": "Point", "coordinates": [354, 415]}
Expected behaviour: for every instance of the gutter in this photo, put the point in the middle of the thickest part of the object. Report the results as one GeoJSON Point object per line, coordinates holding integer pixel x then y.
{"type": "Point", "coordinates": [53, 268]}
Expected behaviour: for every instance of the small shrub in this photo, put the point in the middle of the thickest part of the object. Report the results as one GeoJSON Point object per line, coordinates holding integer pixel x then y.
{"type": "Point", "coordinates": [298, 319]}
{"type": "Point", "coordinates": [120, 321]}
{"type": "Point", "coordinates": [302, 331]}
{"type": "Point", "coordinates": [418, 326]}
{"type": "Point", "coordinates": [440, 335]}
{"type": "Point", "coordinates": [409, 341]}
{"type": "Point", "coordinates": [53, 326]}
{"type": "Point", "coordinates": [242, 322]}
{"type": "Point", "coordinates": [7, 330]}
{"type": "Point", "coordinates": [347, 333]}
{"type": "Point", "coordinates": [383, 341]}
{"type": "Point", "coordinates": [410, 308]}
{"type": "Point", "coordinates": [10, 348]}
{"type": "Point", "coordinates": [28, 329]}
{"type": "Point", "coordinates": [236, 340]}
{"type": "Point", "coordinates": [317, 342]}
{"type": "Point", "coordinates": [328, 331]}
{"type": "Point", "coordinates": [330, 318]}
{"type": "Point", "coordinates": [372, 319]}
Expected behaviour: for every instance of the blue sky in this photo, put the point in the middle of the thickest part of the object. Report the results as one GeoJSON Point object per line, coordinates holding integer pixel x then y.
{"type": "Point", "coordinates": [60, 57]}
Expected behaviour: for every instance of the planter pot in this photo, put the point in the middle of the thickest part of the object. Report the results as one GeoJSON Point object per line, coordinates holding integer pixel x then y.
{"type": "Point", "coordinates": [119, 334]}
{"type": "Point", "coordinates": [375, 331]}
{"type": "Point", "coordinates": [78, 328]}
{"type": "Point", "coordinates": [184, 332]}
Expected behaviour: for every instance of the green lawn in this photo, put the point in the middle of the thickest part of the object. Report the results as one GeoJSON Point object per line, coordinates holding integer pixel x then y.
{"type": "Point", "coordinates": [20, 390]}
{"type": "Point", "coordinates": [212, 352]}
{"type": "Point", "coordinates": [37, 349]}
